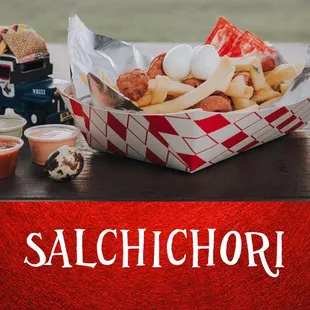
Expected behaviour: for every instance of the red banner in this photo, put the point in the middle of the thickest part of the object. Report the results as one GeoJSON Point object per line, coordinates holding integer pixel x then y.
{"type": "Point", "coordinates": [154, 255]}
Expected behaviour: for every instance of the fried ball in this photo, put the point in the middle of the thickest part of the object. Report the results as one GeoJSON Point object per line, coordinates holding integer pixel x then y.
{"type": "Point", "coordinates": [268, 63]}
{"type": "Point", "coordinates": [192, 82]}
{"type": "Point", "coordinates": [133, 84]}
{"type": "Point", "coordinates": [156, 67]}
{"type": "Point", "coordinates": [220, 93]}
{"type": "Point", "coordinates": [214, 104]}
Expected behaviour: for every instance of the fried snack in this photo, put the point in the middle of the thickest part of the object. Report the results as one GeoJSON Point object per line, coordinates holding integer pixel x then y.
{"type": "Point", "coordinates": [247, 77]}
{"type": "Point", "coordinates": [192, 81]}
{"type": "Point", "coordinates": [156, 67]}
{"type": "Point", "coordinates": [265, 94]}
{"type": "Point", "coordinates": [175, 89]}
{"type": "Point", "coordinates": [239, 102]}
{"type": "Point", "coordinates": [241, 90]}
{"type": "Point", "coordinates": [70, 91]}
{"type": "Point", "coordinates": [133, 84]}
{"type": "Point", "coordinates": [252, 108]}
{"type": "Point", "coordinates": [105, 97]}
{"type": "Point", "coordinates": [239, 78]}
{"type": "Point", "coordinates": [257, 75]}
{"type": "Point", "coordinates": [243, 103]}
{"type": "Point", "coordinates": [98, 95]}
{"type": "Point", "coordinates": [160, 92]}
{"type": "Point", "coordinates": [145, 100]}
{"type": "Point", "coordinates": [83, 78]}
{"type": "Point", "coordinates": [219, 80]}
{"type": "Point", "coordinates": [269, 103]}
{"type": "Point", "coordinates": [214, 104]}
{"type": "Point", "coordinates": [106, 80]}
{"type": "Point", "coordinates": [300, 67]}
{"type": "Point", "coordinates": [281, 73]}
{"type": "Point", "coordinates": [244, 63]}
{"type": "Point", "coordinates": [284, 86]}
{"type": "Point", "coordinates": [220, 93]}
{"type": "Point", "coordinates": [226, 82]}
{"type": "Point", "coordinates": [268, 63]}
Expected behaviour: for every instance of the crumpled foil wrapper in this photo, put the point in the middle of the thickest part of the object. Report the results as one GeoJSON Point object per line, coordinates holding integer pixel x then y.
{"type": "Point", "coordinates": [90, 52]}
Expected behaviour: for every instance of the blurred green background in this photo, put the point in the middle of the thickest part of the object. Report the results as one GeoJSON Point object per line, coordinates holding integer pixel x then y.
{"type": "Point", "coordinates": [162, 20]}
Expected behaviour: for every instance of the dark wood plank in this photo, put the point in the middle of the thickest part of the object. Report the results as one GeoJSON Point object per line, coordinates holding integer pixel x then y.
{"type": "Point", "coordinates": [277, 170]}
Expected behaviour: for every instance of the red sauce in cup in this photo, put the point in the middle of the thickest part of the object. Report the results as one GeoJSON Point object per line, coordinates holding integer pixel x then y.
{"type": "Point", "coordinates": [9, 149]}
{"type": "Point", "coordinates": [7, 144]}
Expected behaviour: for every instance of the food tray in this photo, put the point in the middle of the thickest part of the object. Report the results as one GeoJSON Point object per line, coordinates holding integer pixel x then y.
{"type": "Point", "coordinates": [187, 141]}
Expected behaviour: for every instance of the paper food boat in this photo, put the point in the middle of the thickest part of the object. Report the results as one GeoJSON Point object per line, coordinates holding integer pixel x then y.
{"type": "Point", "coordinates": [189, 140]}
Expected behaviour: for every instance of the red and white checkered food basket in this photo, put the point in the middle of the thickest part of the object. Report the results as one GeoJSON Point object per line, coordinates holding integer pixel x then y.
{"type": "Point", "coordinates": [189, 140]}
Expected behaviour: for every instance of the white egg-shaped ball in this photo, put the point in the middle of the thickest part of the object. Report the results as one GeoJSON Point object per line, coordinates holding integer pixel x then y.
{"type": "Point", "coordinates": [177, 62]}
{"type": "Point", "coordinates": [204, 62]}
{"type": "Point", "coordinates": [196, 48]}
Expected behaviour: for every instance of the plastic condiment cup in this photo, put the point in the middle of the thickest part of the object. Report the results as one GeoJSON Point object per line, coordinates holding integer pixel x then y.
{"type": "Point", "coordinates": [45, 139]}
{"type": "Point", "coordinates": [9, 149]}
{"type": "Point", "coordinates": [12, 126]}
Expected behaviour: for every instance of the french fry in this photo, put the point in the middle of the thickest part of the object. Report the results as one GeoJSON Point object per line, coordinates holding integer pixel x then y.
{"type": "Point", "coordinates": [175, 89]}
{"type": "Point", "coordinates": [265, 94]}
{"type": "Point", "coordinates": [83, 78]}
{"type": "Point", "coordinates": [145, 100]}
{"type": "Point", "coordinates": [257, 75]}
{"type": "Point", "coordinates": [105, 79]}
{"type": "Point", "coordinates": [269, 103]}
{"type": "Point", "coordinates": [300, 67]}
{"type": "Point", "coordinates": [272, 100]}
{"type": "Point", "coordinates": [281, 73]}
{"type": "Point", "coordinates": [226, 83]}
{"type": "Point", "coordinates": [239, 79]}
{"type": "Point", "coordinates": [252, 108]}
{"type": "Point", "coordinates": [239, 90]}
{"type": "Point", "coordinates": [218, 81]}
{"type": "Point", "coordinates": [243, 103]}
{"type": "Point", "coordinates": [243, 63]}
{"type": "Point", "coordinates": [160, 92]}
{"type": "Point", "coordinates": [70, 91]}
{"type": "Point", "coordinates": [284, 86]}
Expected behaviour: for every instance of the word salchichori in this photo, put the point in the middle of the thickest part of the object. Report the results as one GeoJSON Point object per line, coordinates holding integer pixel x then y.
{"type": "Point", "coordinates": [230, 248]}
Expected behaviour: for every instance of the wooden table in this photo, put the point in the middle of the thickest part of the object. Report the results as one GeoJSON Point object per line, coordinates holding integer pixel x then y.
{"type": "Point", "coordinates": [279, 170]}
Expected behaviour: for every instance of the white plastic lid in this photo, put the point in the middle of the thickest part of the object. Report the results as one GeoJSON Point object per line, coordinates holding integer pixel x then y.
{"type": "Point", "coordinates": [55, 133]}
{"type": "Point", "coordinates": [19, 144]}
{"type": "Point", "coordinates": [11, 123]}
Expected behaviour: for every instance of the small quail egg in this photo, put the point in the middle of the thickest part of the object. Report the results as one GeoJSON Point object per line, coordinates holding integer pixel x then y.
{"type": "Point", "coordinates": [177, 62]}
{"type": "Point", "coordinates": [64, 164]}
{"type": "Point", "coordinates": [204, 62]}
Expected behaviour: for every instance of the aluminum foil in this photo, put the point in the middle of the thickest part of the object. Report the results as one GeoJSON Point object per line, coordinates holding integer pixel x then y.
{"type": "Point", "coordinates": [90, 52]}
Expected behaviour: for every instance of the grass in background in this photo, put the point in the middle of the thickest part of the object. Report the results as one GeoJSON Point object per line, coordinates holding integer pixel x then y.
{"type": "Point", "coordinates": [162, 20]}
